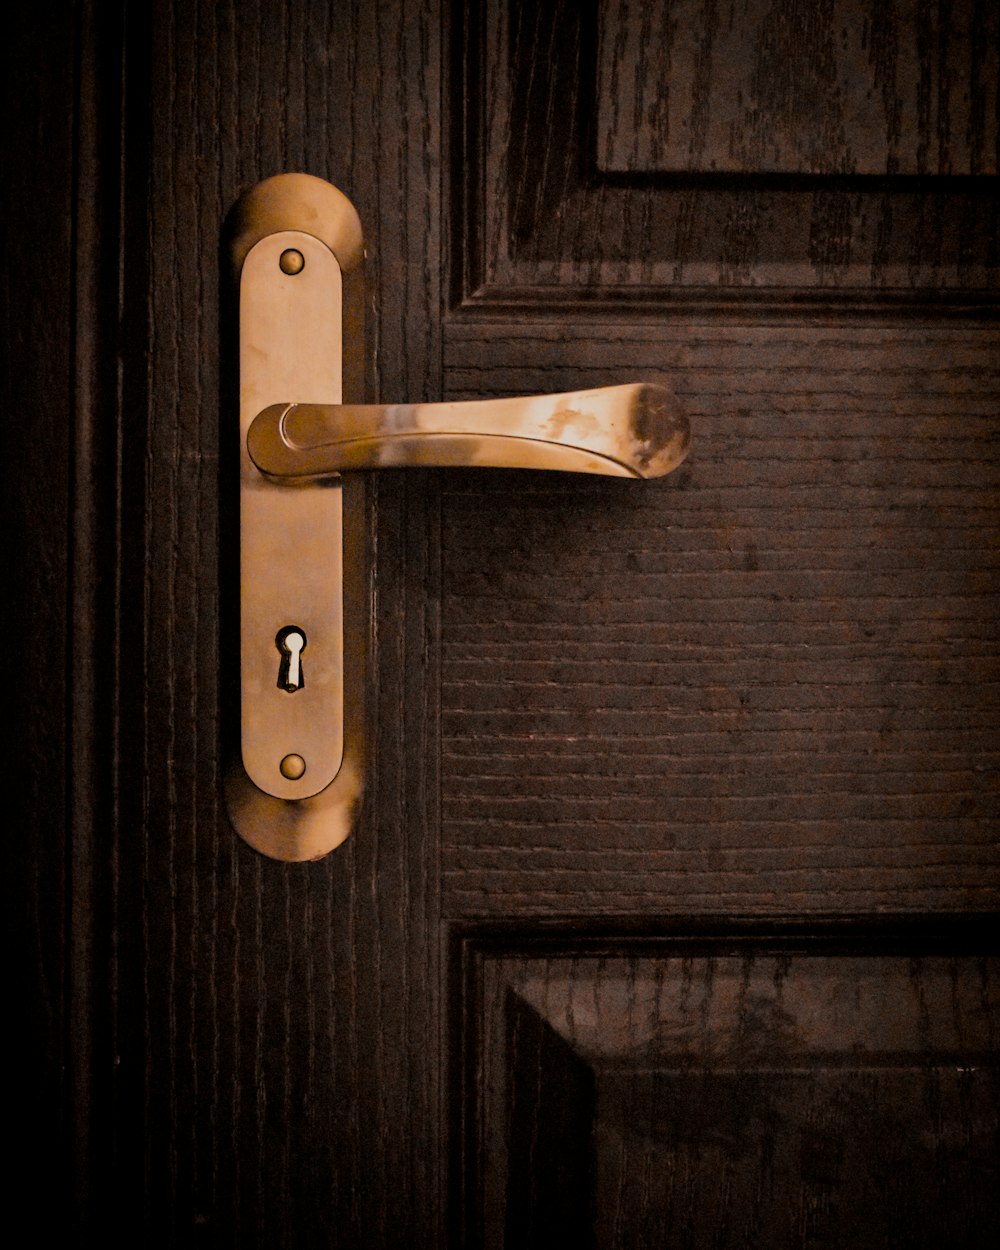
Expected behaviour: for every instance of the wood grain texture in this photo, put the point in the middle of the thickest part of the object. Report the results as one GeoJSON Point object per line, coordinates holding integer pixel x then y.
{"type": "Point", "coordinates": [766, 681]}
{"type": "Point", "coordinates": [844, 87]}
{"type": "Point", "coordinates": [545, 106]}
{"type": "Point", "coordinates": [765, 685]}
{"type": "Point", "coordinates": [731, 1089]}
{"type": "Point", "coordinates": [275, 1023]}
{"type": "Point", "coordinates": [39, 62]}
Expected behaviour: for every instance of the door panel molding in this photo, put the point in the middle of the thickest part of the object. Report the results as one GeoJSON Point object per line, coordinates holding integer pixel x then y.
{"type": "Point", "coordinates": [583, 217]}
{"type": "Point", "coordinates": [616, 1083]}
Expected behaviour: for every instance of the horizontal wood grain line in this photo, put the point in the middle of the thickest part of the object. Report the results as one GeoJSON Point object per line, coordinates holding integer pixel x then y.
{"type": "Point", "coordinates": [633, 692]}
{"type": "Point", "coordinates": [665, 815]}
{"type": "Point", "coordinates": [832, 882]}
{"type": "Point", "coordinates": [620, 879]}
{"type": "Point", "coordinates": [636, 610]}
{"type": "Point", "coordinates": [679, 654]}
{"type": "Point", "coordinates": [728, 356]}
{"type": "Point", "coordinates": [494, 891]}
{"type": "Point", "coordinates": [696, 755]}
{"type": "Point", "coordinates": [861, 632]}
{"type": "Point", "coordinates": [676, 289]}
{"type": "Point", "coordinates": [910, 434]}
{"type": "Point", "coordinates": [878, 617]}
{"type": "Point", "coordinates": [676, 502]}
{"type": "Point", "coordinates": [850, 640]}
{"type": "Point", "coordinates": [976, 377]}
{"type": "Point", "coordinates": [505, 856]}
{"type": "Point", "coordinates": [674, 803]}
{"type": "Point", "coordinates": [869, 535]}
{"type": "Point", "coordinates": [465, 619]}
{"type": "Point", "coordinates": [798, 381]}
{"type": "Point", "coordinates": [861, 756]}
{"type": "Point", "coordinates": [884, 653]}
{"type": "Point", "coordinates": [948, 665]}
{"type": "Point", "coordinates": [850, 745]}
{"type": "Point", "coordinates": [684, 810]}
{"type": "Point", "coordinates": [832, 478]}
{"type": "Point", "coordinates": [864, 538]}
{"type": "Point", "coordinates": [525, 765]}
{"type": "Point", "coordinates": [629, 787]}
{"type": "Point", "coordinates": [862, 453]}
{"type": "Point", "coordinates": [685, 492]}
{"type": "Point", "coordinates": [536, 848]}
{"type": "Point", "coordinates": [740, 358]}
{"type": "Point", "coordinates": [745, 566]}
{"type": "Point", "coordinates": [474, 826]}
{"type": "Point", "coordinates": [494, 691]}
{"type": "Point", "coordinates": [741, 557]}
{"type": "Point", "coordinates": [847, 746]}
{"type": "Point", "coordinates": [929, 582]}
{"type": "Point", "coordinates": [508, 615]}
{"type": "Point", "coordinates": [737, 723]}
{"type": "Point", "coordinates": [723, 784]}
{"type": "Point", "coordinates": [733, 500]}
{"type": "Point", "coordinates": [731, 720]}
{"type": "Point", "coordinates": [745, 554]}
{"type": "Point", "coordinates": [707, 675]}
{"type": "Point", "coordinates": [931, 1062]}
{"type": "Point", "coordinates": [842, 586]}
{"type": "Point", "coordinates": [550, 343]}
{"type": "Point", "coordinates": [838, 640]}
{"type": "Point", "coordinates": [970, 339]}
{"type": "Point", "coordinates": [855, 639]}
{"type": "Point", "coordinates": [481, 631]}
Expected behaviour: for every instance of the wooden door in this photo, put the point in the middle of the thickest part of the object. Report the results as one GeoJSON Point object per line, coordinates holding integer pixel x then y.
{"type": "Point", "coordinates": [669, 917]}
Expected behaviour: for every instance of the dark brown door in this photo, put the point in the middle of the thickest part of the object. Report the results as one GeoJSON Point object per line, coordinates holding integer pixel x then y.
{"type": "Point", "coordinates": [668, 919]}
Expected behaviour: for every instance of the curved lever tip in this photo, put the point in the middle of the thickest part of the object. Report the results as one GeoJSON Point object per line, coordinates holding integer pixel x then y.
{"type": "Point", "coordinates": [662, 433]}
{"type": "Point", "coordinates": [621, 431]}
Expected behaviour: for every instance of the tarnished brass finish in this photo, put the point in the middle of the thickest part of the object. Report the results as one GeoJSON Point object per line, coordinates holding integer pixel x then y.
{"type": "Point", "coordinates": [621, 431]}
{"type": "Point", "coordinates": [292, 767]}
{"type": "Point", "coordinates": [291, 261]}
{"type": "Point", "coordinates": [305, 602]}
{"type": "Point", "coordinates": [295, 792]}
{"type": "Point", "coordinates": [291, 542]}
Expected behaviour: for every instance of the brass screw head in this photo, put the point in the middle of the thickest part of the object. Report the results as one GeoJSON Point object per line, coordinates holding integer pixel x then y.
{"type": "Point", "coordinates": [291, 261]}
{"type": "Point", "coordinates": [292, 767]}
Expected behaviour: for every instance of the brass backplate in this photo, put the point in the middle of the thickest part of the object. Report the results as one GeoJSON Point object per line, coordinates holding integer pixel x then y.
{"type": "Point", "coordinates": [291, 541]}
{"type": "Point", "coordinates": [295, 790]}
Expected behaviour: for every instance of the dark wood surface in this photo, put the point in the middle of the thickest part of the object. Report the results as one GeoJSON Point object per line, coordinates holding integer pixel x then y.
{"type": "Point", "coordinates": [689, 86]}
{"type": "Point", "coordinates": [890, 204]}
{"type": "Point", "coordinates": [767, 681]}
{"type": "Point", "coordinates": [764, 1087]}
{"type": "Point", "coordinates": [670, 909]}
{"type": "Point", "coordinates": [38, 396]}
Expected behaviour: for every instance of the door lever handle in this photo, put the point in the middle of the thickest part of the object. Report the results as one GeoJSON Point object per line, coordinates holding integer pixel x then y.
{"type": "Point", "coordinates": [294, 789]}
{"type": "Point", "coordinates": [619, 431]}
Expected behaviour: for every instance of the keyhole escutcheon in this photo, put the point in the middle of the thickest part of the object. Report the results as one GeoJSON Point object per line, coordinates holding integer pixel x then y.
{"type": "Point", "coordinates": [291, 642]}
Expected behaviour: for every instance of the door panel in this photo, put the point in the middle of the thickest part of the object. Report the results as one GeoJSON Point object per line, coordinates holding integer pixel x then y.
{"type": "Point", "coordinates": [763, 686]}
{"type": "Point", "coordinates": [777, 1089]}
{"type": "Point", "coordinates": [682, 826]}
{"type": "Point", "coordinates": [750, 153]}
{"type": "Point", "coordinates": [767, 681]}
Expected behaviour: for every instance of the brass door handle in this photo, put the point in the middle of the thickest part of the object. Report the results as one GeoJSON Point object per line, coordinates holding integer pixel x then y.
{"type": "Point", "coordinates": [621, 431]}
{"type": "Point", "coordinates": [305, 604]}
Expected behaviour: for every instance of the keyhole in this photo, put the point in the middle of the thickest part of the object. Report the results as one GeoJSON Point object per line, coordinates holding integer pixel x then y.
{"type": "Point", "coordinates": [291, 642]}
